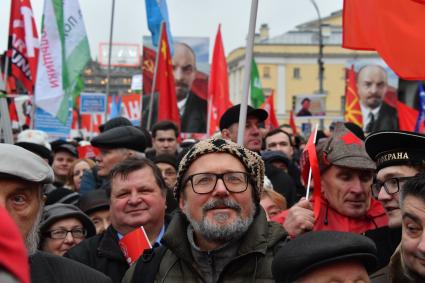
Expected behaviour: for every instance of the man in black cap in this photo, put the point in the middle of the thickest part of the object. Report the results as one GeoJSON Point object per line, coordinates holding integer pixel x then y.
{"type": "Point", "coordinates": [116, 144]}
{"type": "Point", "coordinates": [167, 164]}
{"type": "Point", "coordinates": [96, 205]}
{"type": "Point", "coordinates": [22, 175]}
{"type": "Point", "coordinates": [63, 156]}
{"type": "Point", "coordinates": [325, 256]}
{"type": "Point", "coordinates": [408, 262]}
{"type": "Point", "coordinates": [398, 156]}
{"type": "Point", "coordinates": [229, 124]}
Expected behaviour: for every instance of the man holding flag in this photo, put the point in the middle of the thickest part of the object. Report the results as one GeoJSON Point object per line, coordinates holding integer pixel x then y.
{"type": "Point", "coordinates": [346, 173]}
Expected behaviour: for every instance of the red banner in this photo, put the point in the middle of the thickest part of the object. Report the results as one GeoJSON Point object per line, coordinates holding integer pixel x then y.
{"type": "Point", "coordinates": [23, 46]}
{"type": "Point", "coordinates": [353, 112]}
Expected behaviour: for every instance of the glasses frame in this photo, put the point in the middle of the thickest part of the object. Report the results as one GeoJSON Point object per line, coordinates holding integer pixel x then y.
{"type": "Point", "coordinates": [382, 184]}
{"type": "Point", "coordinates": [49, 233]}
{"type": "Point", "coordinates": [218, 176]}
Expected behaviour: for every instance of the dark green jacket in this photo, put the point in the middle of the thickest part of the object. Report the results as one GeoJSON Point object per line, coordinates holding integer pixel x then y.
{"type": "Point", "coordinates": [252, 264]}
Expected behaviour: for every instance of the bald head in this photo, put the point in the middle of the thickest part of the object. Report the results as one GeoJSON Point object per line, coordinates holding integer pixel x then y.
{"type": "Point", "coordinates": [372, 84]}
{"type": "Point", "coordinates": [184, 65]}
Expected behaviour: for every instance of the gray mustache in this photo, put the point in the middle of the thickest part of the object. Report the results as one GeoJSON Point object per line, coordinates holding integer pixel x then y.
{"type": "Point", "coordinates": [215, 203]}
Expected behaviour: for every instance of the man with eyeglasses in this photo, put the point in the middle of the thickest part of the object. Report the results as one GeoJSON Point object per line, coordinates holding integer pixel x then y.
{"type": "Point", "coordinates": [22, 175]}
{"type": "Point", "coordinates": [399, 156]}
{"type": "Point", "coordinates": [221, 233]}
{"type": "Point", "coordinates": [407, 264]}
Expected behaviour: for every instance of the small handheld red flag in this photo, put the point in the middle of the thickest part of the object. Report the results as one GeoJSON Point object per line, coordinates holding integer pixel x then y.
{"type": "Point", "coordinates": [133, 244]}
{"type": "Point", "coordinates": [310, 168]}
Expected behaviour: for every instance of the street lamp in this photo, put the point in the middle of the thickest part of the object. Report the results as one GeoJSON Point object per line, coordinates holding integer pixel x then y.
{"type": "Point", "coordinates": [320, 57]}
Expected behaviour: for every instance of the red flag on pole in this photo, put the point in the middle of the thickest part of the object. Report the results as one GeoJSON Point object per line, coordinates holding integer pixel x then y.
{"type": "Point", "coordinates": [165, 84]}
{"type": "Point", "coordinates": [397, 33]}
{"type": "Point", "coordinates": [268, 105]}
{"type": "Point", "coordinates": [407, 121]}
{"type": "Point", "coordinates": [310, 168]}
{"type": "Point", "coordinates": [292, 123]}
{"type": "Point", "coordinates": [353, 112]}
{"type": "Point", "coordinates": [23, 45]}
{"type": "Point", "coordinates": [218, 85]}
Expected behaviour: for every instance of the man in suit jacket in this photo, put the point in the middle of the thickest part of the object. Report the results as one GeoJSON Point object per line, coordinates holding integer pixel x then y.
{"type": "Point", "coordinates": [22, 175]}
{"type": "Point", "coordinates": [192, 108]}
{"type": "Point", "coordinates": [372, 84]}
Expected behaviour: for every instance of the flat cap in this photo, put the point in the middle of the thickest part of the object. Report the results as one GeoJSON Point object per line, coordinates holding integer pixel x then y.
{"type": "Point", "coordinates": [21, 163]}
{"type": "Point", "coordinates": [94, 201]}
{"type": "Point", "coordinates": [166, 158]}
{"type": "Point", "coordinates": [345, 149]}
{"type": "Point", "coordinates": [231, 115]}
{"type": "Point", "coordinates": [121, 137]}
{"type": "Point", "coordinates": [58, 211]}
{"type": "Point", "coordinates": [391, 148]}
{"type": "Point", "coordinates": [273, 155]}
{"type": "Point", "coordinates": [319, 248]}
{"type": "Point", "coordinates": [113, 123]}
{"type": "Point", "coordinates": [67, 147]}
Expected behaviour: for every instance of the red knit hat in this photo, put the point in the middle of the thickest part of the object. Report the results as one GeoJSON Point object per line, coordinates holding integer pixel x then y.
{"type": "Point", "coordinates": [13, 254]}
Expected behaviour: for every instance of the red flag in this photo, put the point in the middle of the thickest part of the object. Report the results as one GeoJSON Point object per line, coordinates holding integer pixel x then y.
{"type": "Point", "coordinates": [134, 243]}
{"type": "Point", "coordinates": [268, 105]}
{"type": "Point", "coordinates": [23, 45]}
{"type": "Point", "coordinates": [353, 112]}
{"type": "Point", "coordinates": [218, 85]}
{"type": "Point", "coordinates": [310, 167]}
{"type": "Point", "coordinates": [391, 27]}
{"type": "Point", "coordinates": [165, 84]}
{"type": "Point", "coordinates": [407, 117]}
{"type": "Point", "coordinates": [13, 113]}
{"type": "Point", "coordinates": [292, 123]}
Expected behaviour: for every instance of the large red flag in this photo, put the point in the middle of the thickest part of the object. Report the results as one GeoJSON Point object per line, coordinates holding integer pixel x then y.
{"type": "Point", "coordinates": [23, 45]}
{"type": "Point", "coordinates": [268, 105]}
{"type": "Point", "coordinates": [218, 86]}
{"type": "Point", "coordinates": [310, 168]}
{"type": "Point", "coordinates": [391, 27]}
{"type": "Point", "coordinates": [406, 120]}
{"type": "Point", "coordinates": [165, 84]}
{"type": "Point", "coordinates": [353, 112]}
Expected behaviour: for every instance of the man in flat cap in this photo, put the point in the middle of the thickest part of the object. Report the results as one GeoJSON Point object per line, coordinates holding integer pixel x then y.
{"type": "Point", "coordinates": [221, 233]}
{"type": "Point", "coordinates": [398, 156]}
{"type": "Point", "coordinates": [346, 173]}
{"type": "Point", "coordinates": [22, 175]}
{"type": "Point", "coordinates": [229, 124]}
{"type": "Point", "coordinates": [408, 262]}
{"type": "Point", "coordinates": [137, 198]}
{"type": "Point", "coordinates": [325, 256]}
{"type": "Point", "coordinates": [115, 144]}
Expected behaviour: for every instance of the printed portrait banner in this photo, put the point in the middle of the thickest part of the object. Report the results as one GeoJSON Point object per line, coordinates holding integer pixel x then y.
{"type": "Point", "coordinates": [314, 106]}
{"type": "Point", "coordinates": [200, 47]}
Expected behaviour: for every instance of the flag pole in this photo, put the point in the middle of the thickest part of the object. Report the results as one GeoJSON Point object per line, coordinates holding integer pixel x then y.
{"type": "Point", "coordinates": [247, 74]}
{"type": "Point", "coordinates": [5, 123]}
{"type": "Point", "coordinates": [310, 171]}
{"type": "Point", "coordinates": [109, 57]}
{"type": "Point", "coordinates": [151, 98]}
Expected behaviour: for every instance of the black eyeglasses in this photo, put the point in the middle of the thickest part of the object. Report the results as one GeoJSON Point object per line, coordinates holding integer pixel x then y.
{"type": "Point", "coordinates": [78, 233]}
{"type": "Point", "coordinates": [391, 186]}
{"type": "Point", "coordinates": [204, 183]}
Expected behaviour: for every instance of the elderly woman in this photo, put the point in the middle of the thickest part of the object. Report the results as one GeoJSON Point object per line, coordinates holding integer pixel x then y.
{"type": "Point", "coordinates": [272, 202]}
{"type": "Point", "coordinates": [76, 171]}
{"type": "Point", "coordinates": [62, 227]}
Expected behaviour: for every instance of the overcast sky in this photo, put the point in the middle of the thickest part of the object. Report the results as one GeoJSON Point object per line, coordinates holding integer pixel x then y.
{"type": "Point", "coordinates": [187, 18]}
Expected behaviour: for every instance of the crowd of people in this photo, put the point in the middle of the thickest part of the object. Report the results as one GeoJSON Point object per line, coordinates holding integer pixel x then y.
{"type": "Point", "coordinates": [213, 210]}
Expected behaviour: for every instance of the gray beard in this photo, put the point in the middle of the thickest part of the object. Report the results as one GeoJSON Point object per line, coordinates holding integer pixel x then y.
{"type": "Point", "coordinates": [33, 237]}
{"type": "Point", "coordinates": [220, 233]}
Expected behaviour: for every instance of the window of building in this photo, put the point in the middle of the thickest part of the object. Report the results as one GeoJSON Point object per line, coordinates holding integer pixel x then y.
{"type": "Point", "coordinates": [296, 73]}
{"type": "Point", "coordinates": [266, 72]}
